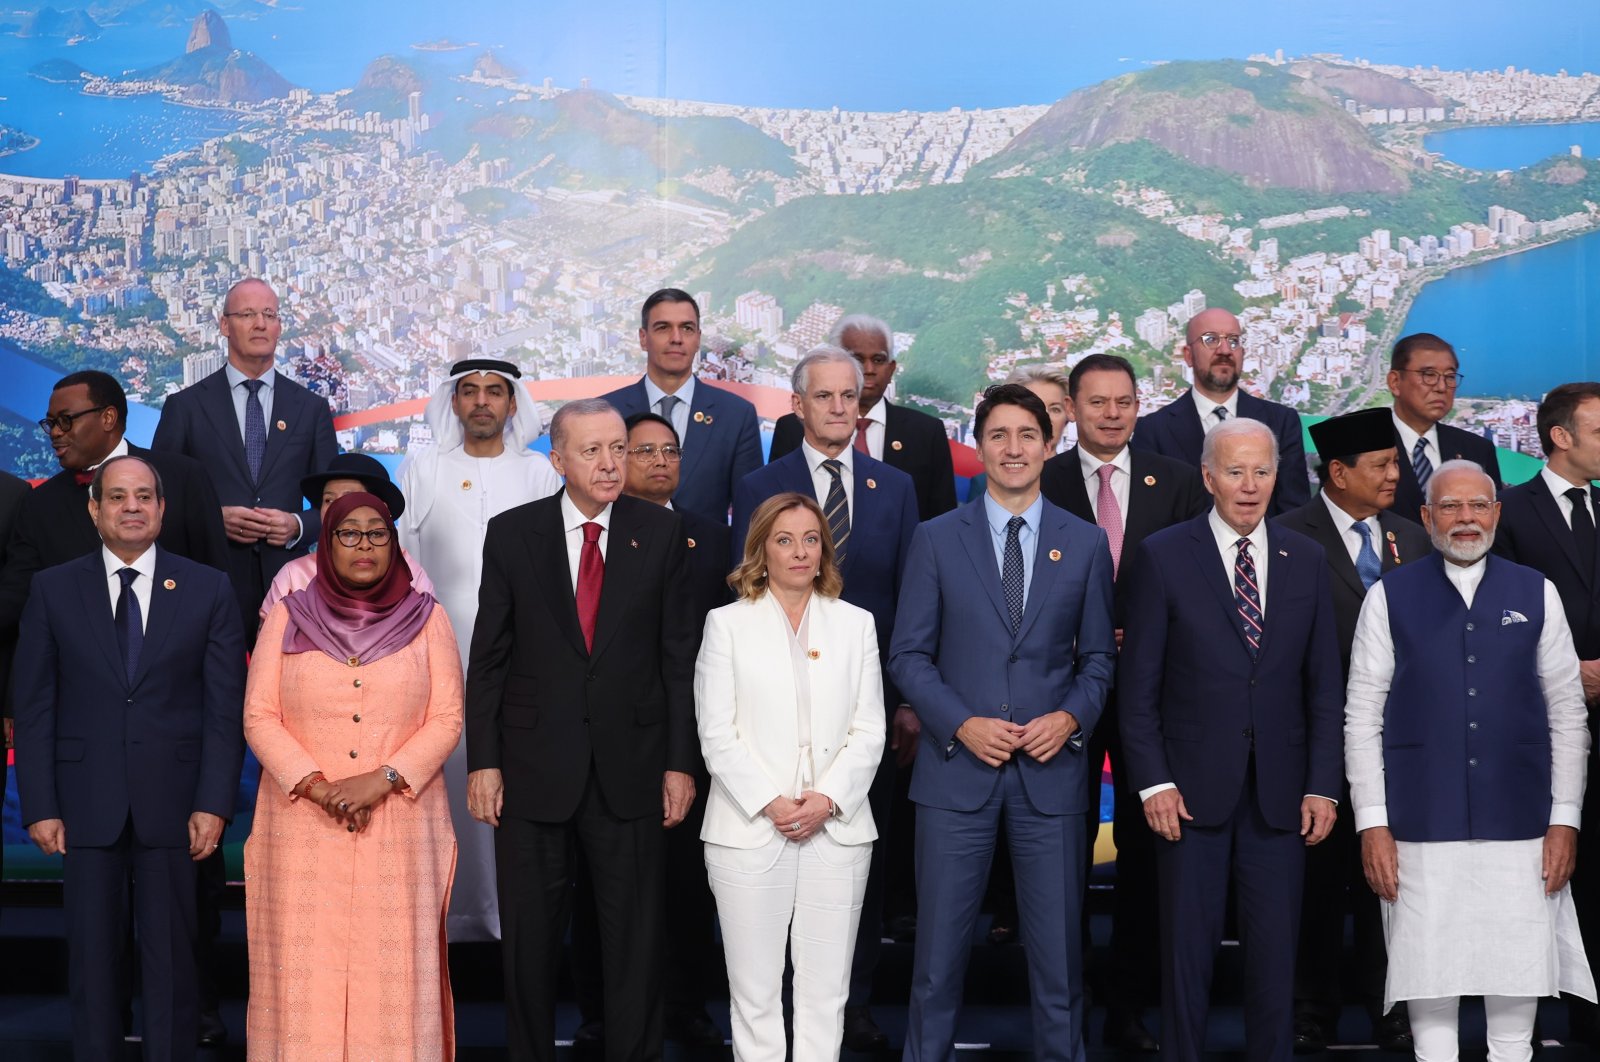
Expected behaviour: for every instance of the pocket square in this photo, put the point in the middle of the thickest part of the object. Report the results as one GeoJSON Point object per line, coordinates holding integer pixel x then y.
{"type": "Point", "coordinates": [1510, 616]}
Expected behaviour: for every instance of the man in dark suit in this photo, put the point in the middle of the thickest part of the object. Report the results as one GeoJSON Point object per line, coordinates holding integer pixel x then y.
{"type": "Point", "coordinates": [720, 433]}
{"type": "Point", "coordinates": [1423, 377]}
{"type": "Point", "coordinates": [1137, 494]}
{"type": "Point", "coordinates": [257, 433]}
{"type": "Point", "coordinates": [1548, 524]}
{"type": "Point", "coordinates": [1359, 467]}
{"type": "Point", "coordinates": [872, 512]}
{"type": "Point", "coordinates": [654, 457]}
{"type": "Point", "coordinates": [899, 436]}
{"type": "Point", "coordinates": [581, 730]}
{"type": "Point", "coordinates": [13, 492]}
{"type": "Point", "coordinates": [1004, 641]}
{"type": "Point", "coordinates": [130, 689]}
{"type": "Point", "coordinates": [1214, 350]}
{"type": "Point", "coordinates": [1231, 650]}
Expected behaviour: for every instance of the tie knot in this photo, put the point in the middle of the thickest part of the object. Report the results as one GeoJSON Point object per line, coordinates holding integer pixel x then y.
{"type": "Point", "coordinates": [1014, 525]}
{"type": "Point", "coordinates": [1244, 548]}
{"type": "Point", "coordinates": [1221, 412]}
{"type": "Point", "coordinates": [1360, 527]}
{"type": "Point", "coordinates": [1421, 447]}
{"type": "Point", "coordinates": [834, 467]}
{"type": "Point", "coordinates": [863, 423]}
{"type": "Point", "coordinates": [1104, 472]}
{"type": "Point", "coordinates": [1577, 494]}
{"type": "Point", "coordinates": [667, 404]}
{"type": "Point", "coordinates": [127, 575]}
{"type": "Point", "coordinates": [254, 386]}
{"type": "Point", "coordinates": [591, 532]}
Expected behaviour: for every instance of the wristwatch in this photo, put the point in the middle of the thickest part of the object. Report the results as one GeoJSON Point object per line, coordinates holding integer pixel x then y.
{"type": "Point", "coordinates": [390, 775]}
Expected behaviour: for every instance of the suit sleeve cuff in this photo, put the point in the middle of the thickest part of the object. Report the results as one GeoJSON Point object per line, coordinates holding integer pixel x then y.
{"type": "Point", "coordinates": [1146, 794]}
{"type": "Point", "coordinates": [1369, 818]}
{"type": "Point", "coordinates": [1566, 815]}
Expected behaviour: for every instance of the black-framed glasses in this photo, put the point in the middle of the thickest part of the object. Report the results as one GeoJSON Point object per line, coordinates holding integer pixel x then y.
{"type": "Point", "coordinates": [350, 538]}
{"type": "Point", "coordinates": [646, 454]}
{"type": "Point", "coordinates": [1433, 377]}
{"type": "Point", "coordinates": [249, 316]}
{"type": "Point", "coordinates": [64, 421]}
{"type": "Point", "coordinates": [1213, 340]}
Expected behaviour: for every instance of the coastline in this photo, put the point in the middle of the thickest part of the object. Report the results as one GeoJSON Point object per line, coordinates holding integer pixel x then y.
{"type": "Point", "coordinates": [30, 143]}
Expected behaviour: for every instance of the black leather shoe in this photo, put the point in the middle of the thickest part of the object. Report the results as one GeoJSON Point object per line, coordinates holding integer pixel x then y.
{"type": "Point", "coordinates": [1003, 928]}
{"type": "Point", "coordinates": [589, 1042]}
{"type": "Point", "coordinates": [861, 1033]}
{"type": "Point", "coordinates": [693, 1028]}
{"type": "Point", "coordinates": [1309, 1038]}
{"type": "Point", "coordinates": [213, 1032]}
{"type": "Point", "coordinates": [902, 929]}
{"type": "Point", "coordinates": [1392, 1032]}
{"type": "Point", "coordinates": [1125, 1032]}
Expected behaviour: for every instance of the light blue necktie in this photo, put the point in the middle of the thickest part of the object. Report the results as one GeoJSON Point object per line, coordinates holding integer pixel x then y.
{"type": "Point", "coordinates": [1368, 566]}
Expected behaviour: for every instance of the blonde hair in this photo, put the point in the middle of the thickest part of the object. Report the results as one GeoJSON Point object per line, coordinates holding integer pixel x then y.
{"type": "Point", "coordinates": [749, 580]}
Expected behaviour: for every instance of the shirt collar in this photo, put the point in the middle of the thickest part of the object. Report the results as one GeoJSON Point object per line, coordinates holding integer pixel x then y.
{"type": "Point", "coordinates": [815, 457]}
{"type": "Point", "coordinates": [237, 378]}
{"type": "Point", "coordinates": [119, 450]}
{"type": "Point", "coordinates": [144, 563]}
{"type": "Point", "coordinates": [1408, 439]}
{"type": "Point", "coordinates": [1206, 406]}
{"type": "Point", "coordinates": [1341, 519]}
{"type": "Point", "coordinates": [656, 394]}
{"type": "Point", "coordinates": [572, 519]}
{"type": "Point", "coordinates": [1466, 578]}
{"type": "Point", "coordinates": [1123, 462]}
{"type": "Point", "coordinates": [998, 515]}
{"type": "Point", "coordinates": [879, 414]}
{"type": "Point", "coordinates": [1558, 486]}
{"type": "Point", "coordinates": [1227, 536]}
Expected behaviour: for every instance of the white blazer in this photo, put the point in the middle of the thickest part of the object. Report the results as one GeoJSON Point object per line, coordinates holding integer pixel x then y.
{"type": "Point", "coordinates": [744, 700]}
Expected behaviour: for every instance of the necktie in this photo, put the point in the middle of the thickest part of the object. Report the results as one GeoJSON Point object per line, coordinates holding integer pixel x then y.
{"type": "Point", "coordinates": [130, 629]}
{"type": "Point", "coordinates": [1582, 530]}
{"type": "Point", "coordinates": [1221, 413]}
{"type": "Point", "coordinates": [83, 478]}
{"type": "Point", "coordinates": [1109, 515]}
{"type": "Point", "coordinates": [1011, 581]}
{"type": "Point", "coordinates": [1368, 566]}
{"type": "Point", "coordinates": [1247, 597]}
{"type": "Point", "coordinates": [1421, 465]}
{"type": "Point", "coordinates": [255, 429]}
{"type": "Point", "coordinates": [665, 407]}
{"type": "Point", "coordinates": [862, 424]}
{"type": "Point", "coordinates": [591, 572]}
{"type": "Point", "coordinates": [837, 509]}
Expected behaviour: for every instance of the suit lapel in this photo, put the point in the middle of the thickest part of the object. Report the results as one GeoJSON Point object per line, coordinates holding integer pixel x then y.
{"type": "Point", "coordinates": [976, 538]}
{"type": "Point", "coordinates": [1074, 492]}
{"type": "Point", "coordinates": [217, 401]}
{"type": "Point", "coordinates": [1209, 563]}
{"type": "Point", "coordinates": [1189, 437]}
{"type": "Point", "coordinates": [1145, 508]}
{"type": "Point", "coordinates": [98, 613]}
{"type": "Point", "coordinates": [1320, 523]}
{"type": "Point", "coordinates": [165, 604]}
{"type": "Point", "coordinates": [1389, 548]}
{"type": "Point", "coordinates": [1282, 561]}
{"type": "Point", "coordinates": [896, 452]}
{"type": "Point", "coordinates": [1549, 510]}
{"type": "Point", "coordinates": [625, 551]}
{"type": "Point", "coordinates": [1052, 536]}
{"type": "Point", "coordinates": [547, 548]}
{"type": "Point", "coordinates": [288, 406]}
{"type": "Point", "coordinates": [702, 422]}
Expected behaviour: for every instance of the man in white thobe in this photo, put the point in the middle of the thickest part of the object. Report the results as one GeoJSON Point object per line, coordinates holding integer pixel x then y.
{"type": "Point", "coordinates": [478, 467]}
{"type": "Point", "coordinates": [1465, 743]}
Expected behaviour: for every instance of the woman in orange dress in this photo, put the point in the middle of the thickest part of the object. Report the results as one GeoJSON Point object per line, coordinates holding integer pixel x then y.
{"type": "Point", "coordinates": [353, 705]}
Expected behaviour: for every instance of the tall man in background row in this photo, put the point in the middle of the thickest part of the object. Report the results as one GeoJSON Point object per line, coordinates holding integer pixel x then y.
{"type": "Point", "coordinates": [1424, 374]}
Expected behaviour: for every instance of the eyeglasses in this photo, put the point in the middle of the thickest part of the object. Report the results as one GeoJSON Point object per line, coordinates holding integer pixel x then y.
{"type": "Point", "coordinates": [63, 421]}
{"type": "Point", "coordinates": [1432, 377]}
{"type": "Point", "coordinates": [351, 538]}
{"type": "Point", "coordinates": [1480, 507]}
{"type": "Point", "coordinates": [646, 454]}
{"type": "Point", "coordinates": [249, 316]}
{"type": "Point", "coordinates": [1213, 340]}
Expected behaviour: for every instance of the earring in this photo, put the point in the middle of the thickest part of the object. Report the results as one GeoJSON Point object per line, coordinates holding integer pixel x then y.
{"type": "Point", "coordinates": [763, 573]}
{"type": "Point", "coordinates": [817, 574]}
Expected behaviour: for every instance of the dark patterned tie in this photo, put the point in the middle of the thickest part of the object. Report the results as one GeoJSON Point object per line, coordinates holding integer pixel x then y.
{"type": "Point", "coordinates": [130, 628]}
{"type": "Point", "coordinates": [1368, 566]}
{"type": "Point", "coordinates": [1248, 597]}
{"type": "Point", "coordinates": [1011, 579]}
{"type": "Point", "coordinates": [1421, 465]}
{"type": "Point", "coordinates": [837, 509]}
{"type": "Point", "coordinates": [1582, 530]}
{"type": "Point", "coordinates": [255, 429]}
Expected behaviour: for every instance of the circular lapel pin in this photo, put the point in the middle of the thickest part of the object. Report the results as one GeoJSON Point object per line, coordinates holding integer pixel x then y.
{"type": "Point", "coordinates": [283, 425]}
{"type": "Point", "coordinates": [1055, 554]}
{"type": "Point", "coordinates": [872, 484]}
{"type": "Point", "coordinates": [1149, 481]}
{"type": "Point", "coordinates": [699, 418]}
{"type": "Point", "coordinates": [708, 420]}
{"type": "Point", "coordinates": [466, 484]}
{"type": "Point", "coordinates": [815, 654]}
{"type": "Point", "coordinates": [690, 543]}
{"type": "Point", "coordinates": [1389, 535]}
{"type": "Point", "coordinates": [897, 445]}
{"type": "Point", "coordinates": [170, 585]}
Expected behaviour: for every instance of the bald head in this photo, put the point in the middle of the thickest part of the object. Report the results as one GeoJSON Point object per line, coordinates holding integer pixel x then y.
{"type": "Point", "coordinates": [251, 326]}
{"type": "Point", "coordinates": [1216, 364]}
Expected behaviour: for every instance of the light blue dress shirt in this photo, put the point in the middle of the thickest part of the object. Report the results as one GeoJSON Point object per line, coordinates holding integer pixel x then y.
{"type": "Point", "coordinates": [241, 394]}
{"type": "Point", "coordinates": [680, 414]}
{"type": "Point", "coordinates": [1027, 537]}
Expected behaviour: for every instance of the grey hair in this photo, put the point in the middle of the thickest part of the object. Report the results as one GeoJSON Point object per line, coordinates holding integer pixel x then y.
{"type": "Point", "coordinates": [1227, 430]}
{"type": "Point", "coordinates": [578, 407]}
{"type": "Point", "coordinates": [100, 474]}
{"type": "Point", "coordinates": [800, 379]}
{"type": "Point", "coordinates": [862, 322]}
{"type": "Point", "coordinates": [1460, 464]}
{"type": "Point", "coordinates": [1027, 374]}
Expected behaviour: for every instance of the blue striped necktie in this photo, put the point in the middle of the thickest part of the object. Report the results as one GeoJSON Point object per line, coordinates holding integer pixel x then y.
{"type": "Point", "coordinates": [1420, 465]}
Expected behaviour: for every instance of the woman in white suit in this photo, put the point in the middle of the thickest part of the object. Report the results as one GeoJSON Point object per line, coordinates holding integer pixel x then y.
{"type": "Point", "coordinates": [790, 703]}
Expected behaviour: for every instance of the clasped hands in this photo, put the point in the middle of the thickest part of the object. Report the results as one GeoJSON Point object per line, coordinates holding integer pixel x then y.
{"type": "Point", "coordinates": [995, 741]}
{"type": "Point", "coordinates": [247, 526]}
{"type": "Point", "coordinates": [349, 800]}
{"type": "Point", "coordinates": [801, 818]}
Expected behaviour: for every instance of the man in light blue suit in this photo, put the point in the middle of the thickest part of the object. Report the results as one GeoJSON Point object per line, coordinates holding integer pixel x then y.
{"type": "Point", "coordinates": [721, 437]}
{"type": "Point", "coordinates": [1004, 642]}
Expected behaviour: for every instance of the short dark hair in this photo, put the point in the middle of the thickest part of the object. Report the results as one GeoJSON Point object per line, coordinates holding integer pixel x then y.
{"type": "Point", "coordinates": [1347, 460]}
{"type": "Point", "coordinates": [1004, 394]}
{"type": "Point", "coordinates": [100, 474]}
{"type": "Point", "coordinates": [666, 295]}
{"type": "Point", "coordinates": [633, 420]}
{"type": "Point", "coordinates": [1560, 409]}
{"type": "Point", "coordinates": [104, 390]}
{"type": "Point", "coordinates": [1406, 346]}
{"type": "Point", "coordinates": [1099, 363]}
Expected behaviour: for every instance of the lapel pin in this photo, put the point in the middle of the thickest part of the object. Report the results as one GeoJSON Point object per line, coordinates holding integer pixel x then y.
{"type": "Point", "coordinates": [1149, 481]}
{"type": "Point", "coordinates": [633, 542]}
{"type": "Point", "coordinates": [283, 425]}
{"type": "Point", "coordinates": [170, 584]}
{"type": "Point", "coordinates": [690, 543]}
{"type": "Point", "coordinates": [897, 445]}
{"type": "Point", "coordinates": [708, 420]}
{"type": "Point", "coordinates": [1389, 535]}
{"type": "Point", "coordinates": [1283, 553]}
{"type": "Point", "coordinates": [353, 661]}
{"type": "Point", "coordinates": [1055, 554]}
{"type": "Point", "coordinates": [699, 418]}
{"type": "Point", "coordinates": [872, 484]}
{"type": "Point", "coordinates": [815, 654]}
{"type": "Point", "coordinates": [466, 484]}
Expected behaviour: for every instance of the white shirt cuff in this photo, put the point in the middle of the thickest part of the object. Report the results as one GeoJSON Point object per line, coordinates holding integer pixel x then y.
{"type": "Point", "coordinates": [1319, 796]}
{"type": "Point", "coordinates": [1367, 818]}
{"type": "Point", "coordinates": [1146, 794]}
{"type": "Point", "coordinates": [298, 535]}
{"type": "Point", "coordinates": [1566, 815]}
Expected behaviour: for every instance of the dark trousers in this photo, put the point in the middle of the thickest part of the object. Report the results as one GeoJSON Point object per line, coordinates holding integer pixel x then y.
{"type": "Point", "coordinates": [97, 882]}
{"type": "Point", "coordinates": [1582, 1016]}
{"type": "Point", "coordinates": [954, 850]}
{"type": "Point", "coordinates": [869, 936]}
{"type": "Point", "coordinates": [1267, 866]}
{"type": "Point", "coordinates": [535, 863]}
{"type": "Point", "coordinates": [1135, 918]}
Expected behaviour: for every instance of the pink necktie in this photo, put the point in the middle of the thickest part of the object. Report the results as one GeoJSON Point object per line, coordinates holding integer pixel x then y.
{"type": "Point", "coordinates": [862, 424]}
{"type": "Point", "coordinates": [1108, 516]}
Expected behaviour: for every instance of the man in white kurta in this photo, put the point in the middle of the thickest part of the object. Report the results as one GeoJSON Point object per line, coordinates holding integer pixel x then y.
{"type": "Point", "coordinates": [1466, 743]}
{"type": "Point", "coordinates": [478, 467]}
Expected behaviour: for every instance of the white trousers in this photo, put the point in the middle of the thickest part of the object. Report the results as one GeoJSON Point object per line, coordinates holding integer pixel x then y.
{"type": "Point", "coordinates": [805, 895]}
{"type": "Point", "coordinates": [1509, 1019]}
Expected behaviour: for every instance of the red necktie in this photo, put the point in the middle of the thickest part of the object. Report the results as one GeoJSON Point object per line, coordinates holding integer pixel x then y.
{"type": "Point", "coordinates": [862, 424]}
{"type": "Point", "coordinates": [591, 572]}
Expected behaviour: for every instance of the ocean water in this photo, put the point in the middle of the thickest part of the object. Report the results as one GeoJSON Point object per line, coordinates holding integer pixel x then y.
{"type": "Point", "coordinates": [1511, 147]}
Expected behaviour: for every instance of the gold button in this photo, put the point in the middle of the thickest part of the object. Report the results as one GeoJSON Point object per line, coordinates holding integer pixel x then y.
{"type": "Point", "coordinates": [352, 754]}
{"type": "Point", "coordinates": [356, 718]}
{"type": "Point", "coordinates": [357, 683]}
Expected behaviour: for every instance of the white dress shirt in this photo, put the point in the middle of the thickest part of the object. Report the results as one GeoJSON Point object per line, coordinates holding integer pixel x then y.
{"type": "Point", "coordinates": [1208, 408]}
{"type": "Point", "coordinates": [877, 430]}
{"type": "Point", "coordinates": [145, 565]}
{"type": "Point", "coordinates": [1120, 480]}
{"type": "Point", "coordinates": [1346, 526]}
{"type": "Point", "coordinates": [572, 520]}
{"type": "Point", "coordinates": [822, 479]}
{"type": "Point", "coordinates": [1372, 667]}
{"type": "Point", "coordinates": [680, 412]}
{"type": "Point", "coordinates": [1408, 441]}
{"type": "Point", "coordinates": [1558, 487]}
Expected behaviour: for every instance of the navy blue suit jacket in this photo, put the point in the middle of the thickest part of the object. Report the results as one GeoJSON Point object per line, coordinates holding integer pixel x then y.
{"type": "Point", "coordinates": [883, 515]}
{"type": "Point", "coordinates": [721, 447]}
{"type": "Point", "coordinates": [954, 655]}
{"type": "Point", "coordinates": [93, 749]}
{"type": "Point", "coordinates": [200, 422]}
{"type": "Point", "coordinates": [1174, 431]}
{"type": "Point", "coordinates": [1533, 532]}
{"type": "Point", "coordinates": [1192, 701]}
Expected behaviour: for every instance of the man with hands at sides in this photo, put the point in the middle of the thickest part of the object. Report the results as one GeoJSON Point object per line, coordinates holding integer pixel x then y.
{"type": "Point", "coordinates": [1230, 647]}
{"type": "Point", "coordinates": [129, 696]}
